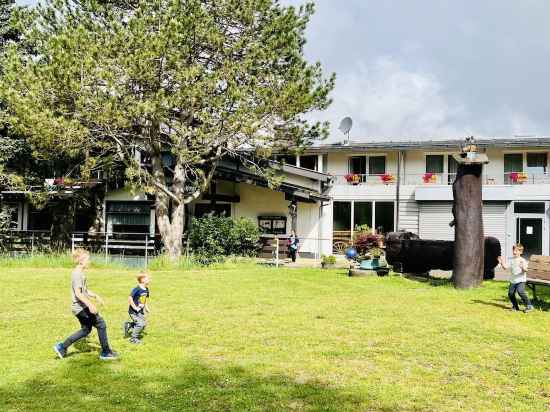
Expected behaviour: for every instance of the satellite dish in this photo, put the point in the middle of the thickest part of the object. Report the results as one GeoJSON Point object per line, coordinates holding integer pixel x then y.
{"type": "Point", "coordinates": [345, 126]}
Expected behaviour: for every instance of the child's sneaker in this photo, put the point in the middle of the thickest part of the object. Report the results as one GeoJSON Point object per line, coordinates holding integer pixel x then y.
{"type": "Point", "coordinates": [126, 326]}
{"type": "Point", "coordinates": [60, 350]}
{"type": "Point", "coordinates": [108, 355]}
{"type": "Point", "coordinates": [529, 308]}
{"type": "Point", "coordinates": [135, 341]}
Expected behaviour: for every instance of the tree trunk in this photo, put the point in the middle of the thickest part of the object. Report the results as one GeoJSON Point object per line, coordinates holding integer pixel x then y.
{"type": "Point", "coordinates": [469, 248]}
{"type": "Point", "coordinates": [170, 227]}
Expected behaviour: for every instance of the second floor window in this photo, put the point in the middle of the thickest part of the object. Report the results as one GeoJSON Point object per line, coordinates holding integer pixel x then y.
{"type": "Point", "coordinates": [377, 165]}
{"type": "Point", "coordinates": [358, 165]}
{"type": "Point", "coordinates": [373, 165]}
{"type": "Point", "coordinates": [434, 164]}
{"type": "Point", "coordinates": [537, 163]}
{"type": "Point", "coordinates": [308, 162]}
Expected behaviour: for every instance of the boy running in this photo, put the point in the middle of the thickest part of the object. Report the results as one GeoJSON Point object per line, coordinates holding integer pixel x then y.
{"type": "Point", "coordinates": [85, 310]}
{"type": "Point", "coordinates": [518, 278]}
{"type": "Point", "coordinates": [137, 307]}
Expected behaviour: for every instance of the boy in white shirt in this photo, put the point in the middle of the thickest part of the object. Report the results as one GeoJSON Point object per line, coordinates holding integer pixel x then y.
{"type": "Point", "coordinates": [518, 278]}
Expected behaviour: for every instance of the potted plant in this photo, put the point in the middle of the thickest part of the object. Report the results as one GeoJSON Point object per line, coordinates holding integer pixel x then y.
{"type": "Point", "coordinates": [429, 177]}
{"type": "Point", "coordinates": [353, 178]}
{"type": "Point", "coordinates": [518, 177]}
{"type": "Point", "coordinates": [328, 262]}
{"type": "Point", "coordinates": [387, 178]}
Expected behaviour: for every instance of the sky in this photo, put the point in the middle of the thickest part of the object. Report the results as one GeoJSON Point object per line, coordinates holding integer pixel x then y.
{"type": "Point", "coordinates": [429, 69]}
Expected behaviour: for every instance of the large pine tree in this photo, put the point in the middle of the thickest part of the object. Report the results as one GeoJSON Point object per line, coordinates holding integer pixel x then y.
{"type": "Point", "coordinates": [196, 79]}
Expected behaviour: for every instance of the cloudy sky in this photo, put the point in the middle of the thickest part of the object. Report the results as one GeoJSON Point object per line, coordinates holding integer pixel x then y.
{"type": "Point", "coordinates": [434, 68]}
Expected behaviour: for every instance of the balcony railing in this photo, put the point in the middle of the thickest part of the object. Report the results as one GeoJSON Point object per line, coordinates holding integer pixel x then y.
{"type": "Point", "coordinates": [509, 178]}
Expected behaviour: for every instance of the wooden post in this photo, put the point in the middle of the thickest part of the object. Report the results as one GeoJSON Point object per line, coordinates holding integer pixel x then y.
{"type": "Point", "coordinates": [469, 247]}
{"type": "Point", "coordinates": [146, 249]}
{"type": "Point", "coordinates": [276, 251]}
{"type": "Point", "coordinates": [107, 247]}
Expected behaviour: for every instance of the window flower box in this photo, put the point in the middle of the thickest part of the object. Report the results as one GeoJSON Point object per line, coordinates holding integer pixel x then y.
{"type": "Point", "coordinates": [429, 178]}
{"type": "Point", "coordinates": [518, 177]}
{"type": "Point", "coordinates": [353, 179]}
{"type": "Point", "coordinates": [387, 178]}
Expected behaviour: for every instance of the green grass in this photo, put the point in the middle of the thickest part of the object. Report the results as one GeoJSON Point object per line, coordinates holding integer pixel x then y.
{"type": "Point", "coordinates": [249, 338]}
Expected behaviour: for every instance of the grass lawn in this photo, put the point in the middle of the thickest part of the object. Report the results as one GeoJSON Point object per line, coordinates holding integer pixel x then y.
{"type": "Point", "coordinates": [253, 338]}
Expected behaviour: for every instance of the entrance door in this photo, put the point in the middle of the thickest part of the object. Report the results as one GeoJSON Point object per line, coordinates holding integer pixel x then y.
{"type": "Point", "coordinates": [529, 234]}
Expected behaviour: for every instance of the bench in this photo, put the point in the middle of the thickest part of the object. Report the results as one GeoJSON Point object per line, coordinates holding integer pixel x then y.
{"type": "Point", "coordinates": [538, 272]}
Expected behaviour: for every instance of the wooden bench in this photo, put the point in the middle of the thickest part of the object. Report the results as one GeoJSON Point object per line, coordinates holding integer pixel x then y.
{"type": "Point", "coordinates": [538, 272]}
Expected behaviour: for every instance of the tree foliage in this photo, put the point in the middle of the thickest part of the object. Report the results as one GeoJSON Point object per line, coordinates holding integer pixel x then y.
{"type": "Point", "coordinates": [195, 79]}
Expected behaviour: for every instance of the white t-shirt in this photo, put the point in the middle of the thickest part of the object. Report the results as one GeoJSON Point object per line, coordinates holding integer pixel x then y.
{"type": "Point", "coordinates": [517, 274]}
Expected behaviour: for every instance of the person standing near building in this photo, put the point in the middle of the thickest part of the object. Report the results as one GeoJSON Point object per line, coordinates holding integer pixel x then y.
{"type": "Point", "coordinates": [293, 243]}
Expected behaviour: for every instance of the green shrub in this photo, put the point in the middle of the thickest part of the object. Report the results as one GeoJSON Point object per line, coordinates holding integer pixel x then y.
{"type": "Point", "coordinates": [328, 260]}
{"type": "Point", "coordinates": [212, 238]}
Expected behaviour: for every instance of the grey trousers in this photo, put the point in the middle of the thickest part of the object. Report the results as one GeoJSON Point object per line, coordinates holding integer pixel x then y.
{"type": "Point", "coordinates": [139, 324]}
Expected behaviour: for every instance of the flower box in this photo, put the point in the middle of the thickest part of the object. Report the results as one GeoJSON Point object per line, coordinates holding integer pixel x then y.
{"type": "Point", "coordinates": [387, 178]}
{"type": "Point", "coordinates": [353, 178]}
{"type": "Point", "coordinates": [429, 178]}
{"type": "Point", "coordinates": [518, 177]}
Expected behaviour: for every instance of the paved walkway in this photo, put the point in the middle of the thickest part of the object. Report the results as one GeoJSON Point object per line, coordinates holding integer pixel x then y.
{"type": "Point", "coordinates": [342, 263]}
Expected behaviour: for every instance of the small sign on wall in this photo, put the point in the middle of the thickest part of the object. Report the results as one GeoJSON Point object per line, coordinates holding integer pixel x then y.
{"type": "Point", "coordinates": [529, 230]}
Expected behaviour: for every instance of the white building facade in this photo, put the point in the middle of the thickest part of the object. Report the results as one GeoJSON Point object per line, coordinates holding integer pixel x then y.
{"type": "Point", "coordinates": [408, 186]}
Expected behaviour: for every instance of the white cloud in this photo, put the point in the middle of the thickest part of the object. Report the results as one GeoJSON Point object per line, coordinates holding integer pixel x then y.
{"type": "Point", "coordinates": [386, 100]}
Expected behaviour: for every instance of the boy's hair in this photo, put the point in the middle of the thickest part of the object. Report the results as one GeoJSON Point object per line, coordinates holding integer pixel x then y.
{"type": "Point", "coordinates": [141, 276]}
{"type": "Point", "coordinates": [79, 253]}
{"type": "Point", "coordinates": [519, 247]}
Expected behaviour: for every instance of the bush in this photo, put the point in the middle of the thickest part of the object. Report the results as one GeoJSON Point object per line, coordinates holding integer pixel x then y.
{"type": "Point", "coordinates": [212, 238]}
{"type": "Point", "coordinates": [328, 260]}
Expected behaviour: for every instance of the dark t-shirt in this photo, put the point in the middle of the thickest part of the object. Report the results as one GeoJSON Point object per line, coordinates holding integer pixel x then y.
{"type": "Point", "coordinates": [139, 296]}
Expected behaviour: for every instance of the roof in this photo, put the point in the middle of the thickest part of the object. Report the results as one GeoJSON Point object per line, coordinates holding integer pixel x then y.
{"type": "Point", "coordinates": [512, 142]}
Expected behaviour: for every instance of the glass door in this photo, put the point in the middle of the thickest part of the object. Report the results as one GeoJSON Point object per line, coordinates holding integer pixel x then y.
{"type": "Point", "coordinates": [529, 234]}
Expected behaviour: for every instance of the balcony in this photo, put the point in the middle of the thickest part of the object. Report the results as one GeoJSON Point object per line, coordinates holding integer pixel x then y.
{"type": "Point", "coordinates": [441, 179]}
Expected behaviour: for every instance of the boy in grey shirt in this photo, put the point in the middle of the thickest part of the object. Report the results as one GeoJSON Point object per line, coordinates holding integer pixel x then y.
{"type": "Point", "coordinates": [85, 310]}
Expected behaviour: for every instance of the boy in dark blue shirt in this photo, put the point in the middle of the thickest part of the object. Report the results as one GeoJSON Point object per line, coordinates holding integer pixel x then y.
{"type": "Point", "coordinates": [137, 307]}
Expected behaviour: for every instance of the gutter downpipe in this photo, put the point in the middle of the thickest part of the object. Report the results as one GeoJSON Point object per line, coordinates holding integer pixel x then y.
{"type": "Point", "coordinates": [398, 189]}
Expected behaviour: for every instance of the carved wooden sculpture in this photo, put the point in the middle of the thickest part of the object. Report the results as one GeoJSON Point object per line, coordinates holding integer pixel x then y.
{"type": "Point", "coordinates": [469, 250]}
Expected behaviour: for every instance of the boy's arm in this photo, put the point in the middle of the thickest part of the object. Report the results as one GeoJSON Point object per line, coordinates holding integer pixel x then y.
{"type": "Point", "coordinates": [501, 262]}
{"type": "Point", "coordinates": [132, 304]}
{"type": "Point", "coordinates": [524, 265]}
{"type": "Point", "coordinates": [84, 299]}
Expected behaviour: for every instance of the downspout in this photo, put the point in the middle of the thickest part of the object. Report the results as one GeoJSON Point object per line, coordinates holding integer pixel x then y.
{"type": "Point", "coordinates": [398, 189]}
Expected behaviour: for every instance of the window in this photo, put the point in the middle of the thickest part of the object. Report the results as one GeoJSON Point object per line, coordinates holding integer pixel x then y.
{"type": "Point", "coordinates": [537, 163]}
{"type": "Point", "coordinates": [362, 213]}
{"type": "Point", "coordinates": [13, 210]}
{"type": "Point", "coordinates": [128, 217]}
{"type": "Point", "coordinates": [513, 163]}
{"type": "Point", "coordinates": [308, 162]}
{"type": "Point", "coordinates": [287, 159]}
{"type": "Point", "coordinates": [452, 168]}
{"type": "Point", "coordinates": [358, 165]}
{"type": "Point", "coordinates": [529, 207]}
{"type": "Point", "coordinates": [434, 164]}
{"type": "Point", "coordinates": [377, 165]}
{"type": "Point", "coordinates": [384, 217]}
{"type": "Point", "coordinates": [342, 215]}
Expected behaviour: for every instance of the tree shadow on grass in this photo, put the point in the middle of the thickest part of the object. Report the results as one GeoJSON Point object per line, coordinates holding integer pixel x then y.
{"type": "Point", "coordinates": [86, 385]}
